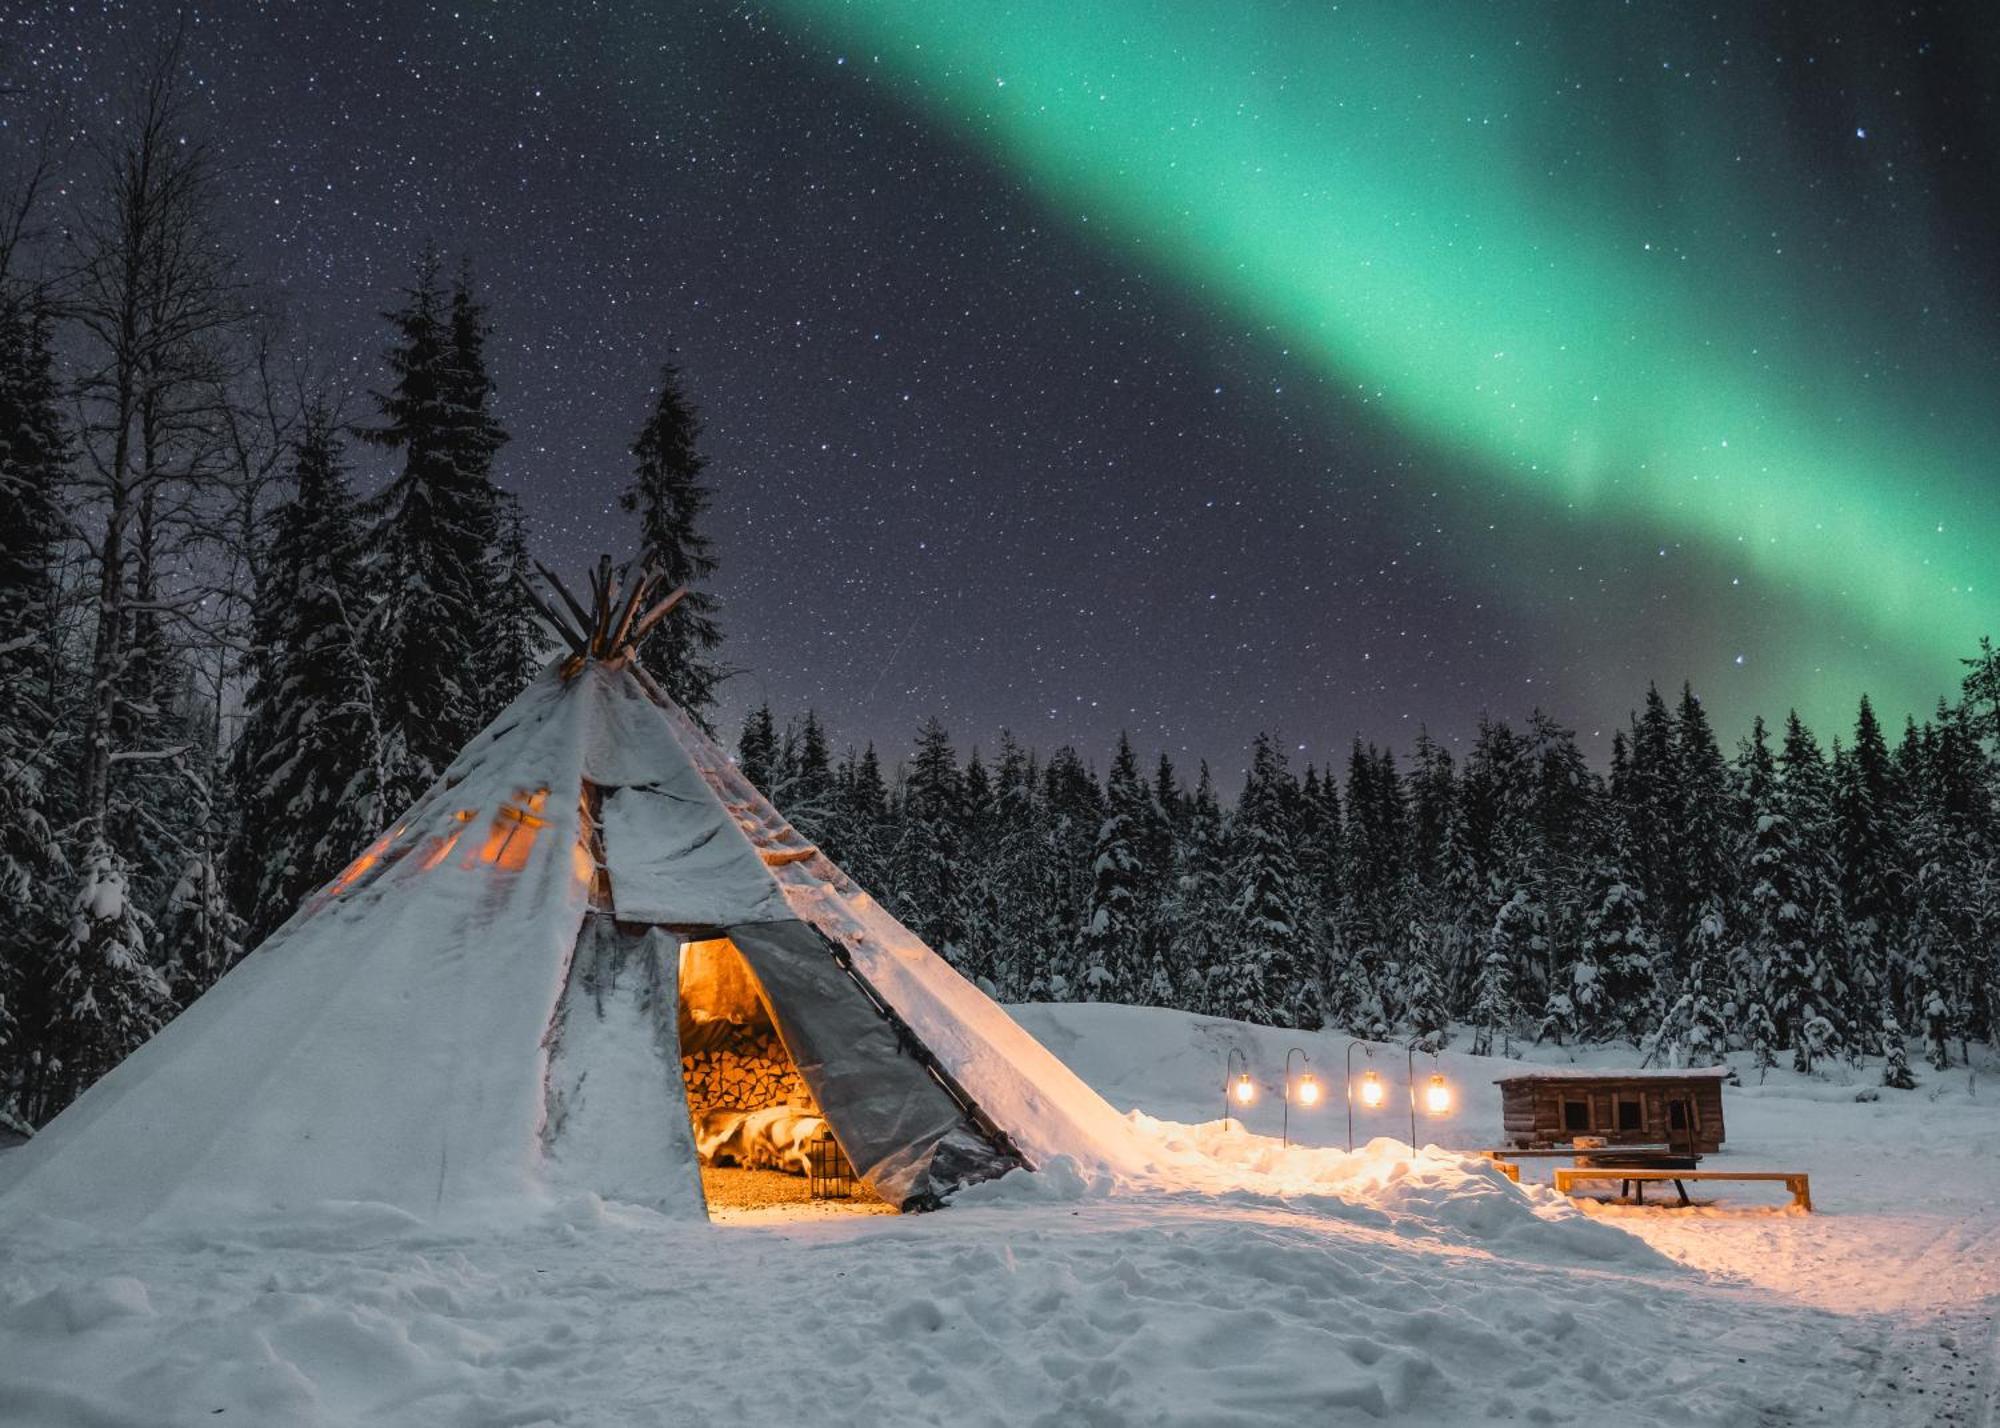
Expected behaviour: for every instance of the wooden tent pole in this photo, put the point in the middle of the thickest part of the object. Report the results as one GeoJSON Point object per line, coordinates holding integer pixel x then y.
{"type": "Point", "coordinates": [555, 582]}
{"type": "Point", "coordinates": [656, 614]}
{"type": "Point", "coordinates": [637, 593]}
{"type": "Point", "coordinates": [547, 612]}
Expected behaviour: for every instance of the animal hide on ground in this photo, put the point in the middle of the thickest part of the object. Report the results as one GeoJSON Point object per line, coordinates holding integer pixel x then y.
{"type": "Point", "coordinates": [775, 1138]}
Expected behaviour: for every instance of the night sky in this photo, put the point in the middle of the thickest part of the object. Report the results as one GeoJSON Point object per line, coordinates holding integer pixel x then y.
{"type": "Point", "coordinates": [1188, 368]}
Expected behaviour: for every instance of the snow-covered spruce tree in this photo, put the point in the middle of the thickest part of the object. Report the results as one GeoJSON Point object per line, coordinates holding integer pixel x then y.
{"type": "Point", "coordinates": [1895, 1052]}
{"type": "Point", "coordinates": [506, 653]}
{"type": "Point", "coordinates": [1111, 944]}
{"type": "Point", "coordinates": [1424, 1012]}
{"type": "Point", "coordinates": [1649, 795]}
{"type": "Point", "coordinates": [106, 997]}
{"type": "Point", "coordinates": [33, 449]}
{"type": "Point", "coordinates": [984, 940]}
{"type": "Point", "coordinates": [1459, 912]}
{"type": "Point", "coordinates": [1370, 910]}
{"type": "Point", "coordinates": [1519, 937]}
{"type": "Point", "coordinates": [1694, 1031]}
{"type": "Point", "coordinates": [1262, 976]}
{"type": "Point", "coordinates": [1869, 841]}
{"type": "Point", "coordinates": [1980, 687]}
{"type": "Point", "coordinates": [1164, 816]}
{"type": "Point", "coordinates": [803, 785]}
{"type": "Point", "coordinates": [1614, 976]}
{"type": "Point", "coordinates": [1794, 903]}
{"type": "Point", "coordinates": [306, 767]}
{"type": "Point", "coordinates": [200, 934]}
{"type": "Point", "coordinates": [1562, 806]}
{"type": "Point", "coordinates": [432, 546]}
{"type": "Point", "coordinates": [1198, 910]}
{"type": "Point", "coordinates": [1019, 880]}
{"type": "Point", "coordinates": [668, 493]}
{"type": "Point", "coordinates": [1075, 811]}
{"type": "Point", "coordinates": [1431, 915]}
{"type": "Point", "coordinates": [1807, 797]}
{"type": "Point", "coordinates": [516, 642]}
{"type": "Point", "coordinates": [1321, 831]}
{"type": "Point", "coordinates": [925, 867]}
{"type": "Point", "coordinates": [856, 839]}
{"type": "Point", "coordinates": [1703, 841]}
{"type": "Point", "coordinates": [757, 748]}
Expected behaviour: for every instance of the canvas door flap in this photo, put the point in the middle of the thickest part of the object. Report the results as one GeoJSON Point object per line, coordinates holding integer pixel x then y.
{"type": "Point", "coordinates": [682, 862]}
{"type": "Point", "coordinates": [902, 1131]}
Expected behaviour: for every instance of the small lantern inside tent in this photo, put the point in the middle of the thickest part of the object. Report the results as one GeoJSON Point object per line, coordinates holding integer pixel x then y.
{"type": "Point", "coordinates": [831, 1178]}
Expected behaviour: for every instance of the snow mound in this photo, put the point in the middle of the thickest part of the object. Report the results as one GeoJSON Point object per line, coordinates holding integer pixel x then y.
{"type": "Point", "coordinates": [1428, 1193]}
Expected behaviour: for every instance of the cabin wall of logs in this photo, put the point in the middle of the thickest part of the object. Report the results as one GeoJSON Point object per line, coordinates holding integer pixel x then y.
{"type": "Point", "coordinates": [1550, 1112]}
{"type": "Point", "coordinates": [742, 1068]}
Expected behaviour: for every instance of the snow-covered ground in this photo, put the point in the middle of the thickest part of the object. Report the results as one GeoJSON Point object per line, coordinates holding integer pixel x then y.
{"type": "Point", "coordinates": [1237, 1283]}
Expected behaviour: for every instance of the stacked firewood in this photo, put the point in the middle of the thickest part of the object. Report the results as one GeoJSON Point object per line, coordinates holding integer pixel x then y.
{"type": "Point", "coordinates": [746, 1070]}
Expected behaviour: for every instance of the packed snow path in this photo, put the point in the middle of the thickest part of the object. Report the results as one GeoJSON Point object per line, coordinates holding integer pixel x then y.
{"type": "Point", "coordinates": [1248, 1286]}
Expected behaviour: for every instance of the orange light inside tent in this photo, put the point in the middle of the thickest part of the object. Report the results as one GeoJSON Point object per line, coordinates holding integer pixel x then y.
{"type": "Point", "coordinates": [1372, 1090]}
{"type": "Point", "coordinates": [370, 856]}
{"type": "Point", "coordinates": [512, 836]}
{"type": "Point", "coordinates": [1437, 1096]}
{"type": "Point", "coordinates": [1245, 1091]}
{"type": "Point", "coordinates": [442, 845]}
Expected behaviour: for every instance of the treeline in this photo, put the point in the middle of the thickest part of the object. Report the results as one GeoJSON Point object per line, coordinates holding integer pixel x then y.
{"type": "Point", "coordinates": [223, 668]}
{"type": "Point", "coordinates": [1786, 900]}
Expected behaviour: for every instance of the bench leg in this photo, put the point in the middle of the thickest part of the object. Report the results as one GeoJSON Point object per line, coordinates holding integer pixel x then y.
{"type": "Point", "coordinates": [1684, 1193]}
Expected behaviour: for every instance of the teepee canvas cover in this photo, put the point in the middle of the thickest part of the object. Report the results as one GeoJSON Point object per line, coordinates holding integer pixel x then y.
{"type": "Point", "coordinates": [482, 1008]}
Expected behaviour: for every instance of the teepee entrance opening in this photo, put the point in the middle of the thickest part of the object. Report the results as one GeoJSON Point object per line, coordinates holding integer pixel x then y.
{"type": "Point", "coordinates": [760, 1134]}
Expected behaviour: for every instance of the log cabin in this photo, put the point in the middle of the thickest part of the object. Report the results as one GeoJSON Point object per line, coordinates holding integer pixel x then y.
{"type": "Point", "coordinates": [1550, 1107]}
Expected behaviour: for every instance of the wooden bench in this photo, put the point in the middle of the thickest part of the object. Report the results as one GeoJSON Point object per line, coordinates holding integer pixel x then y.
{"type": "Point", "coordinates": [1794, 1181]}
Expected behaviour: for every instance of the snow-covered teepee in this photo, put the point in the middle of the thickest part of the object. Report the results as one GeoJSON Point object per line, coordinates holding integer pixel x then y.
{"type": "Point", "coordinates": [485, 1009]}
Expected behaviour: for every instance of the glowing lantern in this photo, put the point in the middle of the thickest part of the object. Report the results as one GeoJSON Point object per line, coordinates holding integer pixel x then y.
{"type": "Point", "coordinates": [1373, 1092]}
{"type": "Point", "coordinates": [1245, 1091]}
{"type": "Point", "coordinates": [1308, 1090]}
{"type": "Point", "coordinates": [1437, 1096]}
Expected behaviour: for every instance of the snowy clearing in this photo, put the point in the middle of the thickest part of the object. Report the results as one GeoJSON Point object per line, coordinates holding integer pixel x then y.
{"type": "Point", "coordinates": [1236, 1283]}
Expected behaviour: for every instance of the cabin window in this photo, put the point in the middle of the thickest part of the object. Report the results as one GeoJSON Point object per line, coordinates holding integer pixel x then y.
{"type": "Point", "coordinates": [1677, 1115]}
{"type": "Point", "coordinates": [1629, 1116]}
{"type": "Point", "coordinates": [1576, 1115]}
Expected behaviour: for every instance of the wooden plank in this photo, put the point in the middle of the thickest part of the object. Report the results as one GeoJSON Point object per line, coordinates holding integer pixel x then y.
{"type": "Point", "coordinates": [1797, 1182]}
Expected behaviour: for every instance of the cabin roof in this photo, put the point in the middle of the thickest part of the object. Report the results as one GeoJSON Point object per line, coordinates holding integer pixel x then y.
{"type": "Point", "coordinates": [1585, 1073]}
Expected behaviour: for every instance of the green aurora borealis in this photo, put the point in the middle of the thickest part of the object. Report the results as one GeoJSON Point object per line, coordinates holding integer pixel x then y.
{"type": "Point", "coordinates": [1585, 255]}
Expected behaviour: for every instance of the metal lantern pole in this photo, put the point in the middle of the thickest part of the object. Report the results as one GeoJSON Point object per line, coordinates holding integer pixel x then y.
{"type": "Point", "coordinates": [1227, 1062]}
{"type": "Point", "coordinates": [1300, 1053]}
{"type": "Point", "coordinates": [1370, 1052]}
{"type": "Point", "coordinates": [1410, 1085]}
